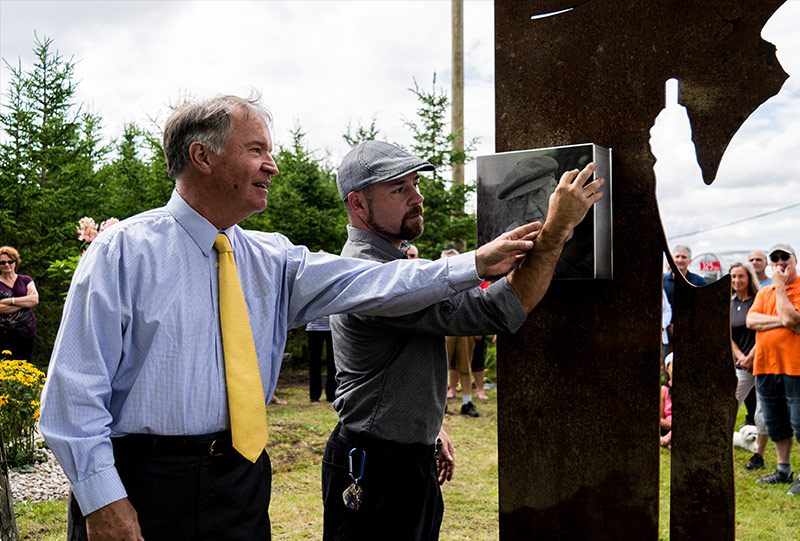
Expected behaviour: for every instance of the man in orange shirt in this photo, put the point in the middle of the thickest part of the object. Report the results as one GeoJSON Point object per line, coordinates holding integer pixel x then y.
{"type": "Point", "coordinates": [775, 316]}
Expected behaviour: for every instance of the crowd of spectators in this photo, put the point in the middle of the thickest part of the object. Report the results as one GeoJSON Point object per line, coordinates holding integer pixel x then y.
{"type": "Point", "coordinates": [765, 349]}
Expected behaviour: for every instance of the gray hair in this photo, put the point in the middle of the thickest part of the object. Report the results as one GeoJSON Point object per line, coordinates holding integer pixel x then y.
{"type": "Point", "coordinates": [207, 122]}
{"type": "Point", "coordinates": [448, 252]}
{"type": "Point", "coordinates": [682, 248]}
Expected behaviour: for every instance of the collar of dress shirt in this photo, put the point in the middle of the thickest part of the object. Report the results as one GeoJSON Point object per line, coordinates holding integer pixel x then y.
{"type": "Point", "coordinates": [201, 230]}
{"type": "Point", "coordinates": [367, 237]}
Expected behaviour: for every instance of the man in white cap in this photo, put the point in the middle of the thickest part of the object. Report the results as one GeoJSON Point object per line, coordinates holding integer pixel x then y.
{"type": "Point", "coordinates": [382, 467]}
{"type": "Point", "coordinates": [775, 316]}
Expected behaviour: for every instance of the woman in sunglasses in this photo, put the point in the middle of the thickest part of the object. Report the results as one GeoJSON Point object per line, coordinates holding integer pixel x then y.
{"type": "Point", "coordinates": [17, 296]}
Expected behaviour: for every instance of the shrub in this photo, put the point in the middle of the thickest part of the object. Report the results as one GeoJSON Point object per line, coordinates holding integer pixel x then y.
{"type": "Point", "coordinates": [20, 389]}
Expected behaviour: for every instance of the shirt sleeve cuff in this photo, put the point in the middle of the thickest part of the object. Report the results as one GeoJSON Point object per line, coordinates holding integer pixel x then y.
{"type": "Point", "coordinates": [462, 271]}
{"type": "Point", "coordinates": [99, 490]}
{"type": "Point", "coordinates": [513, 313]}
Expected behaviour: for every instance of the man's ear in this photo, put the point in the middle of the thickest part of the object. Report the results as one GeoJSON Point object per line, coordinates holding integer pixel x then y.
{"type": "Point", "coordinates": [358, 203]}
{"type": "Point", "coordinates": [199, 155]}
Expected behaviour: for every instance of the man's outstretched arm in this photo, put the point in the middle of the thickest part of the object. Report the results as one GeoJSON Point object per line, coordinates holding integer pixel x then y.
{"type": "Point", "coordinates": [569, 204]}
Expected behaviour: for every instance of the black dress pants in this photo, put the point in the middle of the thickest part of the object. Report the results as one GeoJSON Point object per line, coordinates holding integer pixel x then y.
{"type": "Point", "coordinates": [182, 496]}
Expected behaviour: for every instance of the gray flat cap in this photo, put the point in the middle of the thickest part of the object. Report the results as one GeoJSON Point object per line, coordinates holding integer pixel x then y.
{"type": "Point", "coordinates": [375, 161]}
{"type": "Point", "coordinates": [782, 248]}
{"type": "Point", "coordinates": [528, 175]}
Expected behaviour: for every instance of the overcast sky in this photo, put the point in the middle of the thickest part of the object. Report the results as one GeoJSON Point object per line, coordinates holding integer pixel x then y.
{"type": "Point", "coordinates": [322, 65]}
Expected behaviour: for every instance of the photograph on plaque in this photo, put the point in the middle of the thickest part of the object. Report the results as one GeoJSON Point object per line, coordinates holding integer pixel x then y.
{"type": "Point", "coordinates": [514, 188]}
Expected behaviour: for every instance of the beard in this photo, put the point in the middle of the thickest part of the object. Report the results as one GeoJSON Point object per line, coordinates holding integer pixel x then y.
{"type": "Point", "coordinates": [406, 231]}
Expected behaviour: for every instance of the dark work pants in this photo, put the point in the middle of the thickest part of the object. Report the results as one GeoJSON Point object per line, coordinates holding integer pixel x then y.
{"type": "Point", "coordinates": [316, 339]}
{"type": "Point", "coordinates": [401, 497]}
{"type": "Point", "coordinates": [192, 497]}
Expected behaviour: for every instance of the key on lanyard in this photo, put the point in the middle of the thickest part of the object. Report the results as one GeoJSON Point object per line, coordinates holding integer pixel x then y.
{"type": "Point", "coordinates": [352, 494]}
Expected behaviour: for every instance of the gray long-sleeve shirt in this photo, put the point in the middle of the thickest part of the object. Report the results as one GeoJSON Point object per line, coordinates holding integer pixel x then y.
{"type": "Point", "coordinates": [392, 371]}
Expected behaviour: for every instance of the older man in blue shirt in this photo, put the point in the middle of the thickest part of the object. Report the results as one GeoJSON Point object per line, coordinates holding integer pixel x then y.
{"type": "Point", "coordinates": [136, 407]}
{"type": "Point", "coordinates": [683, 256]}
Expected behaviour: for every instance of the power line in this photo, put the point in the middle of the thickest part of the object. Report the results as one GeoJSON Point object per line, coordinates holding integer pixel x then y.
{"type": "Point", "coordinates": [736, 221]}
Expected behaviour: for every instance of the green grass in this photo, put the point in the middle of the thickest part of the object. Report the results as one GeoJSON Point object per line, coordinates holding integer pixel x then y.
{"type": "Point", "coordinates": [42, 521]}
{"type": "Point", "coordinates": [764, 511]}
{"type": "Point", "coordinates": [299, 430]}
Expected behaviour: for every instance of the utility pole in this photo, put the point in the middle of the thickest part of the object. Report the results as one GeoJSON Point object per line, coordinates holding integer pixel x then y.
{"type": "Point", "coordinates": [458, 96]}
{"type": "Point", "coordinates": [458, 87]}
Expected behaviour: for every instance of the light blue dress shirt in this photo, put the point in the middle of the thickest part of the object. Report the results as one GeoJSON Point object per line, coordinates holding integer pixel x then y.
{"type": "Point", "coordinates": [139, 349]}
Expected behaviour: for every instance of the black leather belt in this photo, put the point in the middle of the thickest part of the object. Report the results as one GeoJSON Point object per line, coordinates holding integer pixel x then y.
{"type": "Point", "coordinates": [358, 439]}
{"type": "Point", "coordinates": [217, 444]}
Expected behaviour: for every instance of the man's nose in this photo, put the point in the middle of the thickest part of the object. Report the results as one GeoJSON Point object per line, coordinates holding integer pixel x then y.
{"type": "Point", "coordinates": [270, 166]}
{"type": "Point", "coordinates": [535, 206]}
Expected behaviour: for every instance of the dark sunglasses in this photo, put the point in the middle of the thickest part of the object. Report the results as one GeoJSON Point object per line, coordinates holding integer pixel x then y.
{"type": "Point", "coordinates": [7, 262]}
{"type": "Point", "coordinates": [782, 257]}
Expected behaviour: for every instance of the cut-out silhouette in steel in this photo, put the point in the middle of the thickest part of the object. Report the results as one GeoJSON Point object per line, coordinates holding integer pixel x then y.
{"type": "Point", "coordinates": [578, 424]}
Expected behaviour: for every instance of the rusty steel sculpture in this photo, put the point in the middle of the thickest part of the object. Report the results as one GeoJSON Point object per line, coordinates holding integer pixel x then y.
{"type": "Point", "coordinates": [578, 427]}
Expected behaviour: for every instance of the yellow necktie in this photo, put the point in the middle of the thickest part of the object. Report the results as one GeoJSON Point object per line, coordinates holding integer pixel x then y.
{"type": "Point", "coordinates": [245, 392]}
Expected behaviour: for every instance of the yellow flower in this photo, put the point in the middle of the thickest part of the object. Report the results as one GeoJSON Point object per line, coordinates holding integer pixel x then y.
{"type": "Point", "coordinates": [20, 388]}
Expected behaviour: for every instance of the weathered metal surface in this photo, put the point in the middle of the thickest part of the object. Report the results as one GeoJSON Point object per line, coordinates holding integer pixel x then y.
{"type": "Point", "coordinates": [702, 504]}
{"type": "Point", "coordinates": [578, 425]}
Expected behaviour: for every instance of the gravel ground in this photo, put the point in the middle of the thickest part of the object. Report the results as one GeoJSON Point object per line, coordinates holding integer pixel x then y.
{"type": "Point", "coordinates": [47, 483]}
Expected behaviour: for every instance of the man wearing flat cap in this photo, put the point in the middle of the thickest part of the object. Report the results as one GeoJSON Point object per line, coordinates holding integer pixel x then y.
{"type": "Point", "coordinates": [775, 316]}
{"type": "Point", "coordinates": [386, 458]}
{"type": "Point", "coordinates": [526, 189]}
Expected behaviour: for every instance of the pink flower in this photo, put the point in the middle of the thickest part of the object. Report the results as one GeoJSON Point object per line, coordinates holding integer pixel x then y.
{"type": "Point", "coordinates": [87, 229]}
{"type": "Point", "coordinates": [108, 223]}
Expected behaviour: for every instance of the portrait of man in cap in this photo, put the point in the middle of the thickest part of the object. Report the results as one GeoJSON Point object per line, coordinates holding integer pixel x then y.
{"type": "Point", "coordinates": [526, 189]}
{"type": "Point", "coordinates": [514, 188]}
